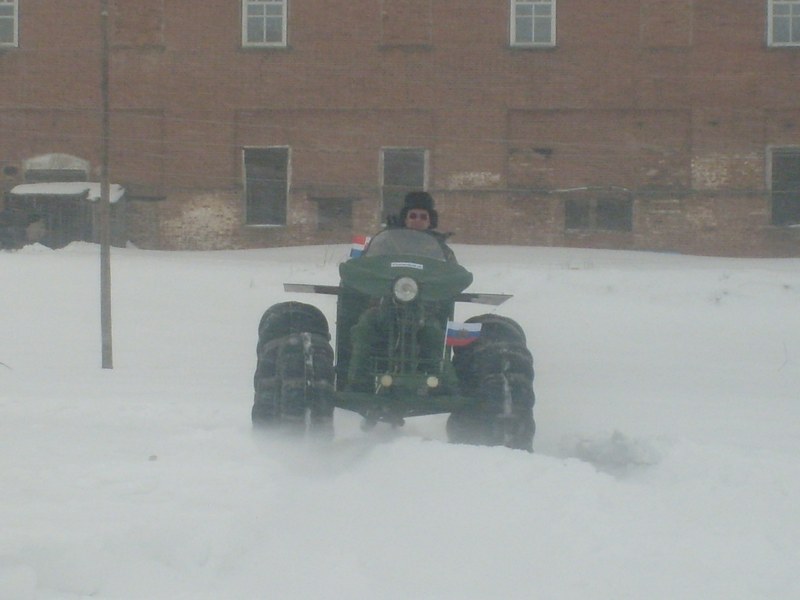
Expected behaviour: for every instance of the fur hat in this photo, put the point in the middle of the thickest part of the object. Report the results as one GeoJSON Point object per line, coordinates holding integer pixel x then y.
{"type": "Point", "coordinates": [420, 200]}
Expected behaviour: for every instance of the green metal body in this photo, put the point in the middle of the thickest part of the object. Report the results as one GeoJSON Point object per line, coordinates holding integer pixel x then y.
{"type": "Point", "coordinates": [406, 339]}
{"type": "Point", "coordinates": [378, 335]}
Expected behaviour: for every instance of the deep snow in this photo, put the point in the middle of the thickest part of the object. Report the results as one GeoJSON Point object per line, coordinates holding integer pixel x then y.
{"type": "Point", "coordinates": [666, 463]}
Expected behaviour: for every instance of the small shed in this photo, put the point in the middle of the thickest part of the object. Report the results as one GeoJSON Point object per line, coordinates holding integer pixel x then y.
{"type": "Point", "coordinates": [57, 213]}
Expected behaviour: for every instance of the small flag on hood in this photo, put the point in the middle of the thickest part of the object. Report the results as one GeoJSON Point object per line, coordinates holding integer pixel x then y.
{"type": "Point", "coordinates": [359, 243]}
{"type": "Point", "coordinates": [461, 334]}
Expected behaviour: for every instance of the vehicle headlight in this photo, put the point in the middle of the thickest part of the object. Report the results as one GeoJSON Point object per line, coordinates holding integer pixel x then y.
{"type": "Point", "coordinates": [405, 289]}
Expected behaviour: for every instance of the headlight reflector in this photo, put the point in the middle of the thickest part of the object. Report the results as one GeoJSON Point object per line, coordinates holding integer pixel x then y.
{"type": "Point", "coordinates": [405, 289]}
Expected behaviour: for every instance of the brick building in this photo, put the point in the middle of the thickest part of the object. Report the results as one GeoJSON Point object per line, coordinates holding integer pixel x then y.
{"type": "Point", "coordinates": [640, 124]}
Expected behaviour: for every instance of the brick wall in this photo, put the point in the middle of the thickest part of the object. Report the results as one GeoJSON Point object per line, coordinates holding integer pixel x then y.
{"type": "Point", "coordinates": [673, 101]}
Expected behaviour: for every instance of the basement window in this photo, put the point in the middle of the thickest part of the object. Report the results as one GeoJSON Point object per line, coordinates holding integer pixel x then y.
{"type": "Point", "coordinates": [9, 22]}
{"type": "Point", "coordinates": [783, 23]}
{"type": "Point", "coordinates": [785, 186]}
{"type": "Point", "coordinates": [266, 185]}
{"type": "Point", "coordinates": [598, 214]}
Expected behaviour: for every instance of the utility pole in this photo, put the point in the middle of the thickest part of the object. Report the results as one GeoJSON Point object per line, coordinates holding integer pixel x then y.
{"type": "Point", "coordinates": [105, 199]}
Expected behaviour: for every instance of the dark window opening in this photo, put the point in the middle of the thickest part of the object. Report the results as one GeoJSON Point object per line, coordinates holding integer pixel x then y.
{"type": "Point", "coordinates": [614, 214]}
{"type": "Point", "coordinates": [786, 187]}
{"type": "Point", "coordinates": [599, 214]}
{"type": "Point", "coordinates": [577, 214]}
{"type": "Point", "coordinates": [403, 172]}
{"type": "Point", "coordinates": [266, 172]}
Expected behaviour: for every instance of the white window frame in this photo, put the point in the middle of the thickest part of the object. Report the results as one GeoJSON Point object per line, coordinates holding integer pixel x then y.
{"type": "Point", "coordinates": [12, 8]}
{"type": "Point", "coordinates": [791, 8]}
{"type": "Point", "coordinates": [263, 11]}
{"type": "Point", "coordinates": [534, 11]}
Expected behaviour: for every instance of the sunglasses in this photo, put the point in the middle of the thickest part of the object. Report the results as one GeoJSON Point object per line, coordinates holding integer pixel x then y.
{"type": "Point", "coordinates": [422, 215]}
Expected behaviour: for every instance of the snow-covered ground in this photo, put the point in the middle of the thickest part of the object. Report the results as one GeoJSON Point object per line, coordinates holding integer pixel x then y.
{"type": "Point", "coordinates": [666, 463]}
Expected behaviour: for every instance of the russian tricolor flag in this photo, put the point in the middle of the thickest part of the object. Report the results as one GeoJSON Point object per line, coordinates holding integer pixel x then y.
{"type": "Point", "coordinates": [359, 243]}
{"type": "Point", "coordinates": [461, 334]}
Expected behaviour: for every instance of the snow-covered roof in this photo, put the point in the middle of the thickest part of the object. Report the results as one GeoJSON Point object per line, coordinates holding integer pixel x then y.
{"type": "Point", "coordinates": [69, 188]}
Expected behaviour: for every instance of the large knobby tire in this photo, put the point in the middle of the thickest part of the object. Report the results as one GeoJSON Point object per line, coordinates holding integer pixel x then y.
{"type": "Point", "coordinates": [294, 374]}
{"type": "Point", "coordinates": [497, 371]}
{"type": "Point", "coordinates": [284, 318]}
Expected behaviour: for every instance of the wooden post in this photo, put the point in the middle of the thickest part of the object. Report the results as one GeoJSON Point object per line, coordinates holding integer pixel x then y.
{"type": "Point", "coordinates": [105, 200]}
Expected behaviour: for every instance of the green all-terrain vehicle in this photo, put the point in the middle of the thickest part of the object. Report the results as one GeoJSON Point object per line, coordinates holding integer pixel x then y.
{"type": "Point", "coordinates": [394, 304]}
